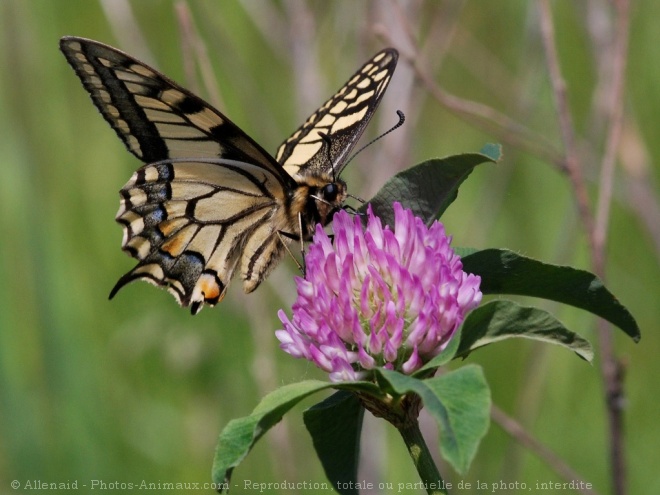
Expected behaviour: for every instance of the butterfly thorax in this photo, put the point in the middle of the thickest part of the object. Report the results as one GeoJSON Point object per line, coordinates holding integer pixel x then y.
{"type": "Point", "coordinates": [316, 199]}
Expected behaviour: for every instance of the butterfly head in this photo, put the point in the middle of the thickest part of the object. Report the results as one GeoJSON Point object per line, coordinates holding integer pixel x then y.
{"type": "Point", "coordinates": [317, 198]}
{"type": "Point", "coordinates": [329, 199]}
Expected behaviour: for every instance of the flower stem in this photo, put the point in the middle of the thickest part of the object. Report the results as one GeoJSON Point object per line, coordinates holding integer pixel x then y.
{"type": "Point", "coordinates": [419, 452]}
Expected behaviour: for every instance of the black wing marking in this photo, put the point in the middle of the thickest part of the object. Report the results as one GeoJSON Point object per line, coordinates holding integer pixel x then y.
{"type": "Point", "coordinates": [156, 118]}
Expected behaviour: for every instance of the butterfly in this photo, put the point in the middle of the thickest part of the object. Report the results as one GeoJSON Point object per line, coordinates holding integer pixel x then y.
{"type": "Point", "coordinates": [210, 202]}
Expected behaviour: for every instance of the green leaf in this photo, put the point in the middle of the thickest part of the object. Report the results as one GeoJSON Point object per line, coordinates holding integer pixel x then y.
{"type": "Point", "coordinates": [466, 397]}
{"type": "Point", "coordinates": [506, 272]}
{"type": "Point", "coordinates": [239, 436]}
{"type": "Point", "coordinates": [499, 320]}
{"type": "Point", "coordinates": [429, 187]}
{"type": "Point", "coordinates": [335, 425]}
{"type": "Point", "coordinates": [459, 401]}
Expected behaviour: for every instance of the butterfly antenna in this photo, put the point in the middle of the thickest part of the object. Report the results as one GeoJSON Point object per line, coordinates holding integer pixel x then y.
{"type": "Point", "coordinates": [402, 119]}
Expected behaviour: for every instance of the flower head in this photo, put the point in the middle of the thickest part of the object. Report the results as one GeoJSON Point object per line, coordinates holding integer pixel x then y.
{"type": "Point", "coordinates": [378, 297]}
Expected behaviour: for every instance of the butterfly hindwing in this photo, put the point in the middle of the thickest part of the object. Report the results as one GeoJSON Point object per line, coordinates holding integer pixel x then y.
{"type": "Point", "coordinates": [192, 224]}
{"type": "Point", "coordinates": [342, 118]}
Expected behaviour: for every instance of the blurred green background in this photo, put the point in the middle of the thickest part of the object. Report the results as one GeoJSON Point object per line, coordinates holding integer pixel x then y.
{"type": "Point", "coordinates": [136, 389]}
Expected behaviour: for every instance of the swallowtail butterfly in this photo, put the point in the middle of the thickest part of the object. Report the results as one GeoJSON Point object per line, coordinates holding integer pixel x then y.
{"type": "Point", "coordinates": [210, 202]}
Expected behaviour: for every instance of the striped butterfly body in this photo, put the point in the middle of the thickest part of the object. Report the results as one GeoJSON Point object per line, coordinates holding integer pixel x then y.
{"type": "Point", "coordinates": [210, 203]}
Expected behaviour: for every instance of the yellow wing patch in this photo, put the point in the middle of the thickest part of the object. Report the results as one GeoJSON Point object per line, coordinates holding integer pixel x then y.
{"type": "Point", "coordinates": [342, 118]}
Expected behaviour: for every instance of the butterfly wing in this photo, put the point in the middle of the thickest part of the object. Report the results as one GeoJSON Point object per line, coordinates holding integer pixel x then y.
{"type": "Point", "coordinates": [192, 224]}
{"type": "Point", "coordinates": [209, 200]}
{"type": "Point", "coordinates": [155, 117]}
{"type": "Point", "coordinates": [342, 118]}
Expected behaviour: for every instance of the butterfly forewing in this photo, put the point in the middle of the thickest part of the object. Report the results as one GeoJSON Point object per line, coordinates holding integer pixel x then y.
{"type": "Point", "coordinates": [342, 119]}
{"type": "Point", "coordinates": [156, 118]}
{"type": "Point", "coordinates": [210, 203]}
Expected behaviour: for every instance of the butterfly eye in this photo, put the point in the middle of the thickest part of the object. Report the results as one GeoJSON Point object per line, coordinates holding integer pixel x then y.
{"type": "Point", "coordinates": [330, 192]}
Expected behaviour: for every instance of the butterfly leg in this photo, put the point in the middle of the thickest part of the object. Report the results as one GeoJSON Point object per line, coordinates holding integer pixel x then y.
{"type": "Point", "coordinates": [351, 210]}
{"type": "Point", "coordinates": [302, 243]}
{"type": "Point", "coordinates": [282, 234]}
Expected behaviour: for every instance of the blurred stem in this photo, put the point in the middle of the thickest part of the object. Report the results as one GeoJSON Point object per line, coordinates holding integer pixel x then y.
{"type": "Point", "coordinates": [572, 163]}
{"type": "Point", "coordinates": [485, 117]}
{"type": "Point", "coordinates": [596, 228]}
{"type": "Point", "coordinates": [558, 465]}
{"type": "Point", "coordinates": [611, 367]}
{"type": "Point", "coordinates": [419, 452]}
